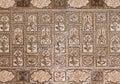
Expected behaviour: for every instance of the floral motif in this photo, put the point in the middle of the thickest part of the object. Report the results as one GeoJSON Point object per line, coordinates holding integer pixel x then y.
{"type": "Point", "coordinates": [101, 36]}
{"type": "Point", "coordinates": [79, 75]}
{"type": "Point", "coordinates": [46, 18]}
{"type": "Point", "coordinates": [46, 57]}
{"type": "Point", "coordinates": [115, 43]}
{"type": "Point", "coordinates": [60, 44]}
{"type": "Point", "coordinates": [4, 24]}
{"type": "Point", "coordinates": [74, 35]}
{"type": "Point", "coordinates": [115, 26]}
{"type": "Point", "coordinates": [77, 3]}
{"type": "Point", "coordinates": [101, 61]}
{"type": "Point", "coordinates": [41, 76]}
{"type": "Point", "coordinates": [87, 46]}
{"type": "Point", "coordinates": [59, 76]}
{"type": "Point", "coordinates": [112, 76]}
{"type": "Point", "coordinates": [60, 60]}
{"type": "Point", "coordinates": [18, 58]}
{"type": "Point", "coordinates": [18, 35]}
{"type": "Point", "coordinates": [101, 17]}
{"type": "Point", "coordinates": [87, 22]}
{"type": "Point", "coordinates": [88, 61]}
{"type": "Point", "coordinates": [113, 3]}
{"type": "Point", "coordinates": [7, 3]}
{"type": "Point", "coordinates": [6, 76]}
{"type": "Point", "coordinates": [4, 61]}
{"type": "Point", "coordinates": [46, 35]}
{"type": "Point", "coordinates": [18, 17]}
{"type": "Point", "coordinates": [32, 23]}
{"type": "Point", "coordinates": [32, 44]}
{"type": "Point", "coordinates": [74, 56]}
{"type": "Point", "coordinates": [73, 18]}
{"type": "Point", "coordinates": [31, 61]}
{"type": "Point", "coordinates": [40, 3]}
{"type": "Point", "coordinates": [114, 61]}
{"type": "Point", "coordinates": [4, 43]}
{"type": "Point", "coordinates": [60, 26]}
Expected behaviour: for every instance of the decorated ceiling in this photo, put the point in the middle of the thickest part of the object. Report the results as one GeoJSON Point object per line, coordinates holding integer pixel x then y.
{"type": "Point", "coordinates": [59, 41]}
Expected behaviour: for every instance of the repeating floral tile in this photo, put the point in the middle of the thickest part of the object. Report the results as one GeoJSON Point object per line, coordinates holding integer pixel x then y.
{"type": "Point", "coordinates": [59, 46]}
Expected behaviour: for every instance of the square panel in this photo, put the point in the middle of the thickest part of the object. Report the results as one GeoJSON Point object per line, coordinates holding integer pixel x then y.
{"type": "Point", "coordinates": [5, 61]}
{"type": "Point", "coordinates": [87, 60]}
{"type": "Point", "coordinates": [60, 76]}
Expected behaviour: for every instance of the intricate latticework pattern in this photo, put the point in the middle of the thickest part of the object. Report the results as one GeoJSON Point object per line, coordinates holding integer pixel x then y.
{"type": "Point", "coordinates": [60, 46]}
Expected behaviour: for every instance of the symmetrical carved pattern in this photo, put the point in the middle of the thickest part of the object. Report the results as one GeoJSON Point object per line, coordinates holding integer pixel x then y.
{"type": "Point", "coordinates": [46, 57]}
{"type": "Point", "coordinates": [18, 57]}
{"type": "Point", "coordinates": [59, 20]}
{"type": "Point", "coordinates": [32, 22]}
{"type": "Point", "coordinates": [51, 4]}
{"type": "Point", "coordinates": [31, 44]}
{"type": "Point", "coordinates": [79, 76]}
{"type": "Point", "coordinates": [46, 34]}
{"type": "Point", "coordinates": [114, 29]}
{"type": "Point", "coordinates": [54, 47]}
{"type": "Point", "coordinates": [4, 23]}
{"type": "Point", "coordinates": [60, 46]}
{"type": "Point", "coordinates": [18, 34]}
{"type": "Point", "coordinates": [7, 3]}
{"type": "Point", "coordinates": [4, 43]}
{"type": "Point", "coordinates": [74, 55]}
{"type": "Point", "coordinates": [74, 35]}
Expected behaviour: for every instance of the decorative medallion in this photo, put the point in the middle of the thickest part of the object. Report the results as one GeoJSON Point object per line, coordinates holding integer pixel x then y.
{"type": "Point", "coordinates": [7, 3]}
{"type": "Point", "coordinates": [6, 76]}
{"type": "Point", "coordinates": [40, 3]}
{"type": "Point", "coordinates": [41, 76]}
{"type": "Point", "coordinates": [77, 3]}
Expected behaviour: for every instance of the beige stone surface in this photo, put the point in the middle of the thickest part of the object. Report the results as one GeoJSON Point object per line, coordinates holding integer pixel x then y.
{"type": "Point", "coordinates": [40, 3]}
{"type": "Point", "coordinates": [6, 3]}
{"type": "Point", "coordinates": [6, 76]}
{"type": "Point", "coordinates": [41, 76]}
{"type": "Point", "coordinates": [113, 3]}
{"type": "Point", "coordinates": [77, 3]}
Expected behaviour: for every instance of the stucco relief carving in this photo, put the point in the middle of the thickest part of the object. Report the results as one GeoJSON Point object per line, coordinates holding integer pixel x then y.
{"type": "Point", "coordinates": [6, 3]}
{"type": "Point", "coordinates": [40, 3]}
{"type": "Point", "coordinates": [41, 76]}
{"type": "Point", "coordinates": [113, 76]}
{"type": "Point", "coordinates": [79, 75]}
{"type": "Point", "coordinates": [6, 76]}
{"type": "Point", "coordinates": [113, 3]}
{"type": "Point", "coordinates": [77, 3]}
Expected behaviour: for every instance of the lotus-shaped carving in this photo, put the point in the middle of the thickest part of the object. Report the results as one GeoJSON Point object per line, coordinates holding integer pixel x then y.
{"type": "Point", "coordinates": [7, 3]}
{"type": "Point", "coordinates": [41, 76]}
{"type": "Point", "coordinates": [6, 76]}
{"type": "Point", "coordinates": [113, 3]}
{"type": "Point", "coordinates": [40, 3]}
{"type": "Point", "coordinates": [78, 3]}
{"type": "Point", "coordinates": [113, 76]}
